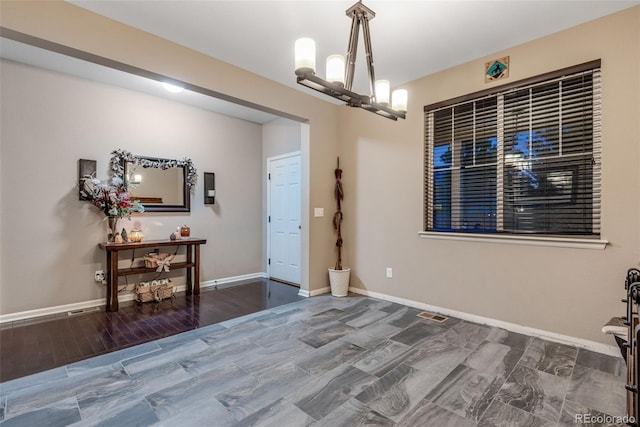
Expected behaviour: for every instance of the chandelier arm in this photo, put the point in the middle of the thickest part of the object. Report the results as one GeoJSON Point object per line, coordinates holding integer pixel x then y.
{"type": "Point", "coordinates": [337, 91]}
{"type": "Point", "coordinates": [310, 80]}
{"type": "Point", "coordinates": [369, 53]}
{"type": "Point", "coordinates": [352, 52]}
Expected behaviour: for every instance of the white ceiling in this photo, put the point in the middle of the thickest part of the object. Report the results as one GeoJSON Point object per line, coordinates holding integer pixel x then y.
{"type": "Point", "coordinates": [410, 39]}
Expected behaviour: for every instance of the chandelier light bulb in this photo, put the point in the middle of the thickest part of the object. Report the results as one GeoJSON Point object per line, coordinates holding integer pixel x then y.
{"type": "Point", "coordinates": [305, 53]}
{"type": "Point", "coordinates": [382, 91]}
{"type": "Point", "coordinates": [335, 69]}
{"type": "Point", "coordinates": [399, 100]}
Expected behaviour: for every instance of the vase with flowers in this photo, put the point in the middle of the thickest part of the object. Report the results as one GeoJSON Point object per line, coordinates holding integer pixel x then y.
{"type": "Point", "coordinates": [112, 198]}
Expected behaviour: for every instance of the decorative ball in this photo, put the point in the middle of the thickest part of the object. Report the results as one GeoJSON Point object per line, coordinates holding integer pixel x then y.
{"type": "Point", "coordinates": [172, 236]}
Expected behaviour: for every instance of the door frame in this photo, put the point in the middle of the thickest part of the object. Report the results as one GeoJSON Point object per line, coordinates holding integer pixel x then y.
{"type": "Point", "coordinates": [268, 254]}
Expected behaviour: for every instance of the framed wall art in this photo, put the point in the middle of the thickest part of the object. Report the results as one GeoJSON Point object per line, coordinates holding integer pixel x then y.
{"type": "Point", "coordinates": [496, 69]}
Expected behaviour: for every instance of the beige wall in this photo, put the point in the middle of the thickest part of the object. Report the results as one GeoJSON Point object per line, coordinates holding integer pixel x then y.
{"type": "Point", "coordinates": [70, 26]}
{"type": "Point", "coordinates": [50, 120]}
{"type": "Point", "coordinates": [567, 291]}
{"type": "Point", "coordinates": [279, 137]}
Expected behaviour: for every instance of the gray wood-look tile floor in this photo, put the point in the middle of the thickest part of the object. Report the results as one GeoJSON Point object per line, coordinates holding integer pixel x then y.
{"type": "Point", "coordinates": [326, 361]}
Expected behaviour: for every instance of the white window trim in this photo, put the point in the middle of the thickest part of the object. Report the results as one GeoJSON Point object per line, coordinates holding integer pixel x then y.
{"type": "Point", "coordinates": [511, 239]}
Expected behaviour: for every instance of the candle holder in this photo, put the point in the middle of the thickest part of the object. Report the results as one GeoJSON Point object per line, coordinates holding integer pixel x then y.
{"type": "Point", "coordinates": [209, 188]}
{"type": "Point", "coordinates": [136, 235]}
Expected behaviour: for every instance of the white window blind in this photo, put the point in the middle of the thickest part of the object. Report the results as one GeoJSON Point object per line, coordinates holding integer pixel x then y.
{"type": "Point", "coordinates": [523, 160]}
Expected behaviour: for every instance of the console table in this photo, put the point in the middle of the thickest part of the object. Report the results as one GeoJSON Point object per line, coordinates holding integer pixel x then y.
{"type": "Point", "coordinates": [192, 265]}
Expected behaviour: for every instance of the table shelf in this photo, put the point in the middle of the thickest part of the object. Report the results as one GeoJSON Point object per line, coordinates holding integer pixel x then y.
{"type": "Point", "coordinates": [142, 270]}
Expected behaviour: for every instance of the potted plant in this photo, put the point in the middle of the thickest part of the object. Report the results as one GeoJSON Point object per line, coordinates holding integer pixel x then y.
{"type": "Point", "coordinates": [112, 199]}
{"type": "Point", "coordinates": [339, 276]}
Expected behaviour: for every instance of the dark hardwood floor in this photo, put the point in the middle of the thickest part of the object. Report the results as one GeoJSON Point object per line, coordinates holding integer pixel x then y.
{"type": "Point", "coordinates": [27, 347]}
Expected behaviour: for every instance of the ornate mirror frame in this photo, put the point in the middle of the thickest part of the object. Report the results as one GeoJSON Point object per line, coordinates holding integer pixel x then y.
{"type": "Point", "coordinates": [119, 161]}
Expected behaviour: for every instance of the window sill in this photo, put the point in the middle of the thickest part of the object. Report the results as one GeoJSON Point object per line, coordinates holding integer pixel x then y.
{"type": "Point", "coordinates": [559, 242]}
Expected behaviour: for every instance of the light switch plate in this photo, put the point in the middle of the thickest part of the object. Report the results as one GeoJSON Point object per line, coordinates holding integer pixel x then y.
{"type": "Point", "coordinates": [318, 212]}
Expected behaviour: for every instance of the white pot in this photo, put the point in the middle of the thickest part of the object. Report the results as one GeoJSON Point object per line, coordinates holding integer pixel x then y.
{"type": "Point", "coordinates": [339, 281]}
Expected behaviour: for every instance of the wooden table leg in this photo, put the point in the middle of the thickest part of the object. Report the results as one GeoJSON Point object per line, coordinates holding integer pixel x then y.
{"type": "Point", "coordinates": [196, 271]}
{"type": "Point", "coordinates": [189, 290]}
{"type": "Point", "coordinates": [112, 281]}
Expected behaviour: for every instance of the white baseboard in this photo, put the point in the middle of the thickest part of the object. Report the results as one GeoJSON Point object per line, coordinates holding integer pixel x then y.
{"type": "Point", "coordinates": [513, 327]}
{"type": "Point", "coordinates": [129, 296]}
{"type": "Point", "coordinates": [225, 282]}
{"type": "Point", "coordinates": [320, 291]}
{"type": "Point", "coordinates": [313, 293]}
{"type": "Point", "coordinates": [232, 281]}
{"type": "Point", "coordinates": [30, 314]}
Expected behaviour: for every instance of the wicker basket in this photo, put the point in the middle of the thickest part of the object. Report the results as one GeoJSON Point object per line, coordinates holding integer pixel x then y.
{"type": "Point", "coordinates": [154, 291]}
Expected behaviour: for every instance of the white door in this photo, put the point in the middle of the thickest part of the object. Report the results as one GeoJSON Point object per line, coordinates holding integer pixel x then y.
{"type": "Point", "coordinates": [284, 218]}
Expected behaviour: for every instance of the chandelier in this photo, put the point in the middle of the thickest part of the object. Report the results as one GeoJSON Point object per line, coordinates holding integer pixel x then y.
{"type": "Point", "coordinates": [339, 80]}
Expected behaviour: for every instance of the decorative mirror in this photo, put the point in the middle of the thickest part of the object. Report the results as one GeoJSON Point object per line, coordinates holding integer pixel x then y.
{"type": "Point", "coordinates": [161, 185]}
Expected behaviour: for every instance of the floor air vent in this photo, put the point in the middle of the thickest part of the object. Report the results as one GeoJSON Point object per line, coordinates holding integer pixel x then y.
{"type": "Point", "coordinates": [82, 311]}
{"type": "Point", "coordinates": [432, 316]}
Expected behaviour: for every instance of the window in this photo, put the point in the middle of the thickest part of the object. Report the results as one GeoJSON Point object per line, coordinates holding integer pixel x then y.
{"type": "Point", "coordinates": [524, 160]}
